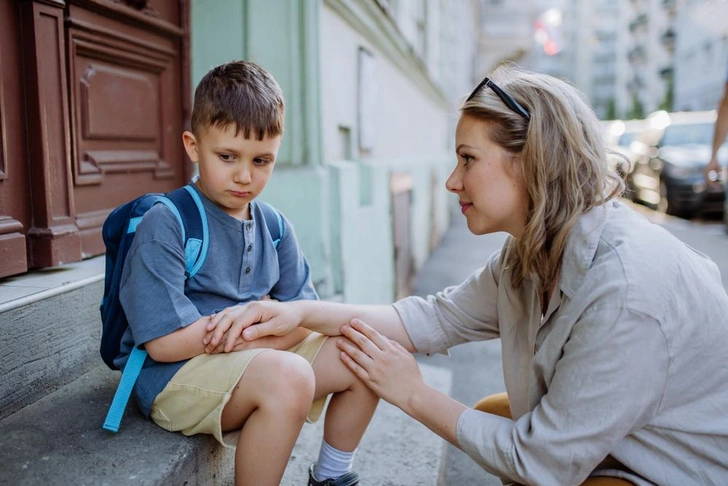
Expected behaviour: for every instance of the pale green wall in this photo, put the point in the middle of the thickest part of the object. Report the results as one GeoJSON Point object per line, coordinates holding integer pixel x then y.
{"type": "Point", "coordinates": [217, 36]}
{"type": "Point", "coordinates": [301, 194]}
{"type": "Point", "coordinates": [362, 259]}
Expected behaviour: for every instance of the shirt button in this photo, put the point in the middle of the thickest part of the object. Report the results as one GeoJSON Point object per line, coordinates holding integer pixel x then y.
{"type": "Point", "coordinates": [250, 247]}
{"type": "Point", "coordinates": [247, 270]}
{"type": "Point", "coordinates": [247, 226]}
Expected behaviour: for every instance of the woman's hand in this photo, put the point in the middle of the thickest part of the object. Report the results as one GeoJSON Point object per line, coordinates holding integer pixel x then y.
{"type": "Point", "coordinates": [249, 322]}
{"type": "Point", "coordinates": [383, 365]}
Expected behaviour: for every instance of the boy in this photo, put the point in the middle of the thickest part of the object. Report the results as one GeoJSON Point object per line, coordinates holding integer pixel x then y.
{"type": "Point", "coordinates": [257, 396]}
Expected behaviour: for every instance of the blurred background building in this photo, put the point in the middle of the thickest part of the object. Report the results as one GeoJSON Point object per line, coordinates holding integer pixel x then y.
{"type": "Point", "coordinates": [701, 53]}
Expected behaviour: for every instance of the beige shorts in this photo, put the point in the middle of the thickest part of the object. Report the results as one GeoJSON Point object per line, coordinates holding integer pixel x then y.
{"type": "Point", "coordinates": [193, 401]}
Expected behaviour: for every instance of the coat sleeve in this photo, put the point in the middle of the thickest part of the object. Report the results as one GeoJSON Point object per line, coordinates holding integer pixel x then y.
{"type": "Point", "coordinates": [459, 314]}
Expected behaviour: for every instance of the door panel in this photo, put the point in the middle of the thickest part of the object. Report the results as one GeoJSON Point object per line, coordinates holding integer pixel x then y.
{"type": "Point", "coordinates": [52, 236]}
{"type": "Point", "coordinates": [14, 209]}
{"type": "Point", "coordinates": [126, 119]}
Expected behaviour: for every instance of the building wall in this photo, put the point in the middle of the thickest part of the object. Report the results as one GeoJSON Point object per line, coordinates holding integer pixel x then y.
{"type": "Point", "coordinates": [404, 122]}
{"type": "Point", "coordinates": [377, 124]}
{"type": "Point", "coordinates": [217, 34]}
{"type": "Point", "coordinates": [624, 69]}
{"type": "Point", "coordinates": [506, 32]}
{"type": "Point", "coordinates": [634, 55]}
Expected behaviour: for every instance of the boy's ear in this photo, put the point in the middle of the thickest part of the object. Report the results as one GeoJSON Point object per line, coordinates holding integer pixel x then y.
{"type": "Point", "coordinates": [190, 143]}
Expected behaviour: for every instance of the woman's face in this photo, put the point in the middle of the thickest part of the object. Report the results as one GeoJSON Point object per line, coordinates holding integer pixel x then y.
{"type": "Point", "coordinates": [486, 181]}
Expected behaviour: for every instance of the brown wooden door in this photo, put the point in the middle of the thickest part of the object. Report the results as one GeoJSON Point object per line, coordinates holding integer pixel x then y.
{"type": "Point", "coordinates": [106, 98]}
{"type": "Point", "coordinates": [14, 203]}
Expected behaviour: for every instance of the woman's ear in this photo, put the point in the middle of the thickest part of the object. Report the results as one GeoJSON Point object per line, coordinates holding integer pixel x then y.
{"type": "Point", "coordinates": [190, 143]}
{"type": "Point", "coordinates": [515, 167]}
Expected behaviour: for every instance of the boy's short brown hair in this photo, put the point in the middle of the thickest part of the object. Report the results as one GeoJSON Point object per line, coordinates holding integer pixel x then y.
{"type": "Point", "coordinates": [239, 92]}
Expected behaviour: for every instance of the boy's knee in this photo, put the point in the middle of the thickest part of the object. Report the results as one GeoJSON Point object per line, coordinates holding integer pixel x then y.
{"type": "Point", "coordinates": [290, 382]}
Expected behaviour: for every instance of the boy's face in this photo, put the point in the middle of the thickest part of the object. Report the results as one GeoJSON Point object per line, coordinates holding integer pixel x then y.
{"type": "Point", "coordinates": [233, 169]}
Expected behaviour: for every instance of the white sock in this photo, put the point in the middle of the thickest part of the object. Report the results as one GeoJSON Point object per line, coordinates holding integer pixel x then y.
{"type": "Point", "coordinates": [332, 463]}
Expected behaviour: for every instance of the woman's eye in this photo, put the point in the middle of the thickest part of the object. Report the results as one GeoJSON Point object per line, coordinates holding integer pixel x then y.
{"type": "Point", "coordinates": [466, 158]}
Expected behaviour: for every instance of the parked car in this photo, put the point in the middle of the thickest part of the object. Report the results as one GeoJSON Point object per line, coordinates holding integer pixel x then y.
{"type": "Point", "coordinates": [670, 156]}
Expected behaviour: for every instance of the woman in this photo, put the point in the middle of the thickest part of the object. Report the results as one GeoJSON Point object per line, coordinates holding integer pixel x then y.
{"type": "Point", "coordinates": [612, 330]}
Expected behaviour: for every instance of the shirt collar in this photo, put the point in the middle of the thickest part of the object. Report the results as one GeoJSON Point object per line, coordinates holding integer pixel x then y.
{"type": "Point", "coordinates": [581, 247]}
{"type": "Point", "coordinates": [215, 211]}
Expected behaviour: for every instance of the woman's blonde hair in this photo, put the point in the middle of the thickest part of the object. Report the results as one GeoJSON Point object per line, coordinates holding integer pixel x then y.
{"type": "Point", "coordinates": [560, 157]}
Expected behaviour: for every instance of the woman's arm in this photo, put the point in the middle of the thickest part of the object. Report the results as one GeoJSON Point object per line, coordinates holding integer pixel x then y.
{"type": "Point", "coordinates": [259, 319]}
{"type": "Point", "coordinates": [576, 424]}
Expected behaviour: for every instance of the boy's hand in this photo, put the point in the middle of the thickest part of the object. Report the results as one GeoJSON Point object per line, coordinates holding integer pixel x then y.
{"type": "Point", "coordinates": [207, 340]}
{"type": "Point", "coordinates": [270, 342]}
{"type": "Point", "coordinates": [271, 318]}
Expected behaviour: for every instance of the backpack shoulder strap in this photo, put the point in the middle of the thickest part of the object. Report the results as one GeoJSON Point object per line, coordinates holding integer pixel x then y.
{"type": "Point", "coordinates": [274, 222]}
{"type": "Point", "coordinates": [186, 204]}
{"type": "Point", "coordinates": [123, 391]}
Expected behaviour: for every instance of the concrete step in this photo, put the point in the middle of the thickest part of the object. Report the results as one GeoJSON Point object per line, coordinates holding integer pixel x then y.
{"type": "Point", "coordinates": [59, 440]}
{"type": "Point", "coordinates": [50, 337]}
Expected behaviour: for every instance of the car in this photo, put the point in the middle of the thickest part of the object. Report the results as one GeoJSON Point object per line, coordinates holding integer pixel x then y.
{"type": "Point", "coordinates": [669, 158]}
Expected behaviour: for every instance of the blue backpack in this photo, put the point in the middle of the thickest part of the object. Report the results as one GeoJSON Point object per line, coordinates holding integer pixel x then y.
{"type": "Point", "coordinates": [118, 232]}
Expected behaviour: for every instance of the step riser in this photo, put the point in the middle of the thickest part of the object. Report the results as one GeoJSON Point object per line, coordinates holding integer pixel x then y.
{"type": "Point", "coordinates": [59, 440]}
{"type": "Point", "coordinates": [48, 344]}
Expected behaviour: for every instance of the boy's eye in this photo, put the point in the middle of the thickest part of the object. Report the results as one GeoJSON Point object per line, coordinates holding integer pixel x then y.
{"type": "Point", "coordinates": [227, 157]}
{"type": "Point", "coordinates": [258, 161]}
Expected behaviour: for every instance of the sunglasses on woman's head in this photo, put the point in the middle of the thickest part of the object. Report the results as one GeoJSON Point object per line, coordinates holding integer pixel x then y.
{"type": "Point", "coordinates": [505, 97]}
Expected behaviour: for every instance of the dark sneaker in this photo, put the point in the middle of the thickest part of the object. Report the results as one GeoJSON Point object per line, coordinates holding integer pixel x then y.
{"type": "Point", "coordinates": [349, 479]}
